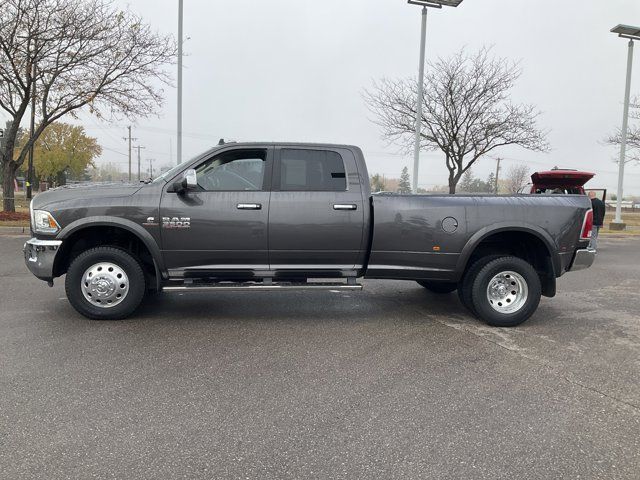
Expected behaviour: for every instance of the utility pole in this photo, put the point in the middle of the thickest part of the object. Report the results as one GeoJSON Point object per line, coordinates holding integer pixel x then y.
{"type": "Point", "coordinates": [129, 139]}
{"type": "Point", "coordinates": [179, 81]}
{"type": "Point", "coordinates": [31, 132]}
{"type": "Point", "coordinates": [498, 160]}
{"type": "Point", "coordinates": [416, 146]}
{"type": "Point", "coordinates": [139, 147]}
{"type": "Point", "coordinates": [4, 130]}
{"type": "Point", "coordinates": [151, 167]}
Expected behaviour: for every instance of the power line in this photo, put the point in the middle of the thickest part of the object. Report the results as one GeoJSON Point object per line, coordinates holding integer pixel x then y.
{"type": "Point", "coordinates": [113, 137]}
{"type": "Point", "coordinates": [114, 151]}
{"type": "Point", "coordinates": [159, 153]}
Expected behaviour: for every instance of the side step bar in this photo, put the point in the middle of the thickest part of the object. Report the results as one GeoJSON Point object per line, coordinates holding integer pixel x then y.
{"type": "Point", "coordinates": [240, 286]}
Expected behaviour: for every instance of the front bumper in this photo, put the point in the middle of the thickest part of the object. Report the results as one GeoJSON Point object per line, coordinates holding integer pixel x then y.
{"type": "Point", "coordinates": [39, 256]}
{"type": "Point", "coordinates": [583, 259]}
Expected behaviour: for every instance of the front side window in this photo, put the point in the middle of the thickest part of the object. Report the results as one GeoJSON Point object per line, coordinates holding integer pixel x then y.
{"type": "Point", "coordinates": [311, 170]}
{"type": "Point", "coordinates": [235, 171]}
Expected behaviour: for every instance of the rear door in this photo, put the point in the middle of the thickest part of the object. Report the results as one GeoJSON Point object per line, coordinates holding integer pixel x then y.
{"type": "Point", "coordinates": [221, 226]}
{"type": "Point", "coordinates": [316, 218]}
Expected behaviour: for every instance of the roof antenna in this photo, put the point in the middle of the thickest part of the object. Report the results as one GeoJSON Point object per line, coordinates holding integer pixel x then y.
{"type": "Point", "coordinates": [221, 141]}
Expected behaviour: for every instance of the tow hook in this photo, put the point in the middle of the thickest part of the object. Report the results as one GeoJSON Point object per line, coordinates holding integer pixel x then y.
{"type": "Point", "coordinates": [50, 283]}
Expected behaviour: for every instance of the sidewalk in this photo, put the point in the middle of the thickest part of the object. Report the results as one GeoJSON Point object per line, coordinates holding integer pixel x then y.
{"type": "Point", "coordinates": [14, 231]}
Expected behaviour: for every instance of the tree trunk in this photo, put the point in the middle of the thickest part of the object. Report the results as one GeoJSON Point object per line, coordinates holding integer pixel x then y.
{"type": "Point", "coordinates": [453, 182]}
{"type": "Point", "coordinates": [9, 173]}
{"type": "Point", "coordinates": [9, 166]}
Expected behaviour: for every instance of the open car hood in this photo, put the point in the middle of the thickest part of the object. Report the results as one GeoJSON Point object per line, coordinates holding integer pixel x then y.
{"type": "Point", "coordinates": [561, 178]}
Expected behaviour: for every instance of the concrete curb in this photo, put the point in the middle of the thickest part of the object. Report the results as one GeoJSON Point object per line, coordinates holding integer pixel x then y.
{"type": "Point", "coordinates": [619, 235]}
{"type": "Point", "coordinates": [14, 231]}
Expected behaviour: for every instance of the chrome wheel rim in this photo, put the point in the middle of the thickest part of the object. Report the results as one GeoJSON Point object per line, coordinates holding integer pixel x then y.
{"type": "Point", "coordinates": [507, 292]}
{"type": "Point", "coordinates": [105, 285]}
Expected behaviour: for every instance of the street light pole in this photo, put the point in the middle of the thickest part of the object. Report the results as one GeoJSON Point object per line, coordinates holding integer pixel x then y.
{"type": "Point", "coordinates": [416, 147]}
{"type": "Point", "coordinates": [632, 33]}
{"type": "Point", "coordinates": [623, 136]}
{"type": "Point", "coordinates": [179, 146]}
{"type": "Point", "coordinates": [423, 37]}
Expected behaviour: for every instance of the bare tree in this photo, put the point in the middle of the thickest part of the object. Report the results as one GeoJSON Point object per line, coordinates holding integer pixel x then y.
{"type": "Point", "coordinates": [465, 107]}
{"type": "Point", "coordinates": [75, 54]}
{"type": "Point", "coordinates": [633, 134]}
{"type": "Point", "coordinates": [517, 177]}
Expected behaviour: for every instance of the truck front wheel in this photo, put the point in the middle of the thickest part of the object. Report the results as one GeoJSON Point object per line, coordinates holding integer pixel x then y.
{"type": "Point", "coordinates": [105, 283]}
{"type": "Point", "coordinates": [505, 292]}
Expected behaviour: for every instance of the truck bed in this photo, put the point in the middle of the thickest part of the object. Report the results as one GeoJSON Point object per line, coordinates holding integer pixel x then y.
{"type": "Point", "coordinates": [432, 236]}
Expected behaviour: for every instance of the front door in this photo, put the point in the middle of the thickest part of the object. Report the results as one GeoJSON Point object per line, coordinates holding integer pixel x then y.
{"type": "Point", "coordinates": [221, 227]}
{"type": "Point", "coordinates": [316, 218]}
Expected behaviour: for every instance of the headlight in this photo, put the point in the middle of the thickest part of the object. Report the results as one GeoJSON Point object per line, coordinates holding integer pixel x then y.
{"type": "Point", "coordinates": [43, 222]}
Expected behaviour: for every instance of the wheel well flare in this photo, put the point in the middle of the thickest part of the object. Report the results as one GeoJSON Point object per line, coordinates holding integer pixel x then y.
{"type": "Point", "coordinates": [103, 235]}
{"type": "Point", "coordinates": [524, 245]}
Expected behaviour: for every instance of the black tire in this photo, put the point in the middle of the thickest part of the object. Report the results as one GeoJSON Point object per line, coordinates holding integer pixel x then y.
{"type": "Point", "coordinates": [482, 303]}
{"type": "Point", "coordinates": [464, 288]}
{"type": "Point", "coordinates": [438, 287]}
{"type": "Point", "coordinates": [136, 285]}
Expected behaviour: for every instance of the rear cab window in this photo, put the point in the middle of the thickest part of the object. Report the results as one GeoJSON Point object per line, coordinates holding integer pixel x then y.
{"type": "Point", "coordinates": [311, 170]}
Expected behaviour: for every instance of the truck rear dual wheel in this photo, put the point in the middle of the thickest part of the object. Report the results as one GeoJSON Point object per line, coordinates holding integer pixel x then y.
{"type": "Point", "coordinates": [466, 284]}
{"type": "Point", "coordinates": [105, 283]}
{"type": "Point", "coordinates": [504, 291]}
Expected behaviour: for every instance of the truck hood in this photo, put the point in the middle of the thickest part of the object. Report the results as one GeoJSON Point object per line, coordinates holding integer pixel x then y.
{"type": "Point", "coordinates": [85, 190]}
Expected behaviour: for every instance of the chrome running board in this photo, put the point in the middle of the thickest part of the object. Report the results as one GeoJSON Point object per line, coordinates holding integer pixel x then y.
{"type": "Point", "coordinates": [262, 286]}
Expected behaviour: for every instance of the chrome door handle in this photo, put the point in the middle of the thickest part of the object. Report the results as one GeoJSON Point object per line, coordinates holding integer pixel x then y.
{"type": "Point", "coordinates": [249, 206]}
{"type": "Point", "coordinates": [344, 206]}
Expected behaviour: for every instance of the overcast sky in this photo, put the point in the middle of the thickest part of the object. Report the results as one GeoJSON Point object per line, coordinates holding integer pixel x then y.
{"type": "Point", "coordinates": [295, 70]}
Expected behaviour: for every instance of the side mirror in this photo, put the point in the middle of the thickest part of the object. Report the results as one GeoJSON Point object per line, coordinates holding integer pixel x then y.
{"type": "Point", "coordinates": [189, 182]}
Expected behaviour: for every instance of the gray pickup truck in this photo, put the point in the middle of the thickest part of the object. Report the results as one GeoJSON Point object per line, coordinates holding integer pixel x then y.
{"type": "Point", "coordinates": [274, 216]}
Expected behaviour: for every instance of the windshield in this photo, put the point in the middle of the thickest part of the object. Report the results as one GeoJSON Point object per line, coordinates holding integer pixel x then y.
{"type": "Point", "coordinates": [181, 166]}
{"type": "Point", "coordinates": [168, 174]}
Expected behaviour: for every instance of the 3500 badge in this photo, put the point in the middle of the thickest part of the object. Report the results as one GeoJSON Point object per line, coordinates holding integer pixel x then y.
{"type": "Point", "coordinates": [176, 222]}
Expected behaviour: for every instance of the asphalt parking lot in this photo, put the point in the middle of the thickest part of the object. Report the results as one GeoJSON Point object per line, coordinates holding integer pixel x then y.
{"type": "Point", "coordinates": [392, 382]}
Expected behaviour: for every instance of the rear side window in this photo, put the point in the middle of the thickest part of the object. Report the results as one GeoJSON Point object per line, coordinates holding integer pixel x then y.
{"type": "Point", "coordinates": [311, 170]}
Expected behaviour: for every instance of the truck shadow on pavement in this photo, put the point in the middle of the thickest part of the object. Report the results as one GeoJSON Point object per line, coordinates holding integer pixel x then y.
{"type": "Point", "coordinates": [370, 305]}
